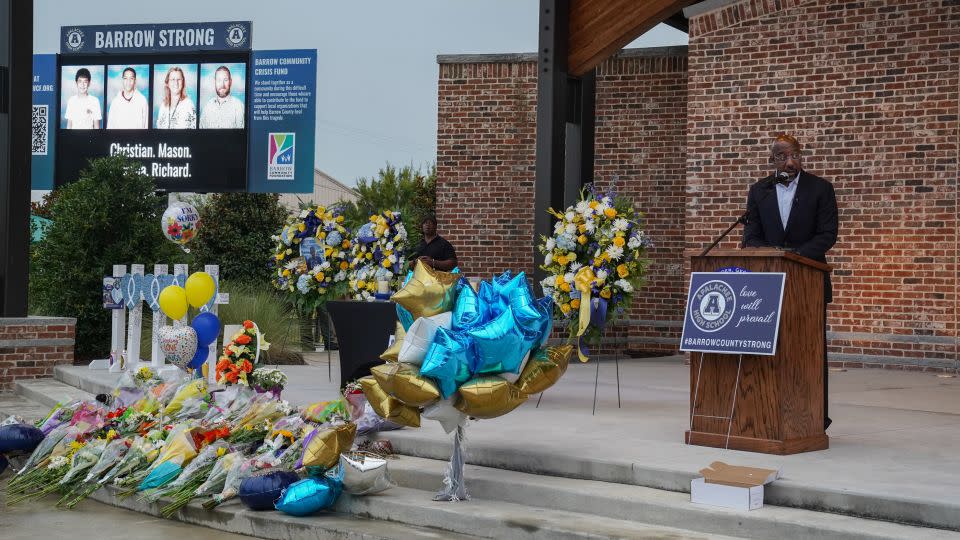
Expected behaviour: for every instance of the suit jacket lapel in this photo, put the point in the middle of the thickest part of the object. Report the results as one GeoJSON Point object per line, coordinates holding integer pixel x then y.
{"type": "Point", "coordinates": [771, 207]}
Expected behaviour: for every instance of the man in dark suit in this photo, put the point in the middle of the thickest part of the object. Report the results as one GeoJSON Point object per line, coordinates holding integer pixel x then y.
{"type": "Point", "coordinates": [797, 211]}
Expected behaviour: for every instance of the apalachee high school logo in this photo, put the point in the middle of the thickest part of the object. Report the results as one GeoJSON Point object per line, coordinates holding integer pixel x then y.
{"type": "Point", "coordinates": [712, 306]}
{"type": "Point", "coordinates": [74, 39]}
{"type": "Point", "coordinates": [236, 35]}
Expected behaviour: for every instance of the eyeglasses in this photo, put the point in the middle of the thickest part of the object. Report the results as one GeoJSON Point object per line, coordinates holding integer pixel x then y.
{"type": "Point", "coordinates": [783, 157]}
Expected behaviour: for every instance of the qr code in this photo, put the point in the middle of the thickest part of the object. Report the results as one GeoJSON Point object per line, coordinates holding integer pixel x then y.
{"type": "Point", "coordinates": [40, 131]}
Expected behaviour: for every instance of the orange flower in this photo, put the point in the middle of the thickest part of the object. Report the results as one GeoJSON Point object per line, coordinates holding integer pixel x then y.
{"type": "Point", "coordinates": [231, 377]}
{"type": "Point", "coordinates": [222, 364]}
{"type": "Point", "coordinates": [248, 324]}
{"type": "Point", "coordinates": [246, 366]}
{"type": "Point", "coordinates": [243, 339]}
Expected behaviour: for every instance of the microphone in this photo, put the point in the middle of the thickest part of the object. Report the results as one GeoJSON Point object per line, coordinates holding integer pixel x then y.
{"type": "Point", "coordinates": [774, 178]}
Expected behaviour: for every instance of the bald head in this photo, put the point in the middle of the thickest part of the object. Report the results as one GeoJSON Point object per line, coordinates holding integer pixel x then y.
{"type": "Point", "coordinates": [785, 154]}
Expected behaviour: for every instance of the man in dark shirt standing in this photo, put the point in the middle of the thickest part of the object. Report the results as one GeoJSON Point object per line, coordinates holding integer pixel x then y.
{"type": "Point", "coordinates": [434, 250]}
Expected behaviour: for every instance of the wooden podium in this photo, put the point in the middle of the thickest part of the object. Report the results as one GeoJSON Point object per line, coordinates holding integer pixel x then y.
{"type": "Point", "coordinates": [769, 404]}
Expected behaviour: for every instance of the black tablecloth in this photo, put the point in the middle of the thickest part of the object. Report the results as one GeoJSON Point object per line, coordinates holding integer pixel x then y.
{"type": "Point", "coordinates": [363, 332]}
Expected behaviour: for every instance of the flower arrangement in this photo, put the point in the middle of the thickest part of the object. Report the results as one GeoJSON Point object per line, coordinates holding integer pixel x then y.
{"type": "Point", "coordinates": [240, 355]}
{"type": "Point", "coordinates": [598, 250]}
{"type": "Point", "coordinates": [269, 380]}
{"type": "Point", "coordinates": [377, 254]}
{"type": "Point", "coordinates": [311, 256]}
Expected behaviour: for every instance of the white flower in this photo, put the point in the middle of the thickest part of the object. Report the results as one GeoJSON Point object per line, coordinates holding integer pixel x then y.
{"type": "Point", "coordinates": [303, 213]}
{"type": "Point", "coordinates": [589, 225]}
{"type": "Point", "coordinates": [551, 243]}
{"type": "Point", "coordinates": [548, 259]}
{"type": "Point", "coordinates": [392, 259]}
{"type": "Point", "coordinates": [582, 207]}
{"type": "Point", "coordinates": [575, 266]}
{"type": "Point", "coordinates": [558, 227]}
{"type": "Point", "coordinates": [569, 215]}
{"type": "Point", "coordinates": [624, 285]}
{"type": "Point", "coordinates": [615, 252]}
{"type": "Point", "coordinates": [571, 228]}
{"type": "Point", "coordinates": [548, 281]}
{"type": "Point", "coordinates": [620, 224]}
{"type": "Point", "coordinates": [325, 265]}
{"type": "Point", "coordinates": [633, 242]}
{"type": "Point", "coordinates": [568, 277]}
{"type": "Point", "coordinates": [607, 201]}
{"type": "Point", "coordinates": [601, 208]}
{"type": "Point", "coordinates": [601, 275]}
{"type": "Point", "coordinates": [548, 291]}
{"type": "Point", "coordinates": [341, 275]}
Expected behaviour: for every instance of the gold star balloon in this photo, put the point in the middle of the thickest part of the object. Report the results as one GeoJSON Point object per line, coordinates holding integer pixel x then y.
{"type": "Point", "coordinates": [544, 369]}
{"type": "Point", "coordinates": [489, 397]}
{"type": "Point", "coordinates": [404, 382]}
{"type": "Point", "coordinates": [388, 407]}
{"type": "Point", "coordinates": [390, 355]}
{"type": "Point", "coordinates": [323, 446]}
{"type": "Point", "coordinates": [428, 292]}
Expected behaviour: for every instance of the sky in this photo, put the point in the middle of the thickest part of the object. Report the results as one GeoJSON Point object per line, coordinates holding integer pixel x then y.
{"type": "Point", "coordinates": [376, 59]}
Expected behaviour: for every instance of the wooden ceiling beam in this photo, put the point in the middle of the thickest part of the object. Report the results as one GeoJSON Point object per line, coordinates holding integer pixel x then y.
{"type": "Point", "coordinates": [600, 28]}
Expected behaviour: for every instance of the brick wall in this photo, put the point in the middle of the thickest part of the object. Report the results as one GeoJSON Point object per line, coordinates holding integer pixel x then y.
{"type": "Point", "coordinates": [31, 347]}
{"type": "Point", "coordinates": [871, 89]}
{"type": "Point", "coordinates": [486, 149]}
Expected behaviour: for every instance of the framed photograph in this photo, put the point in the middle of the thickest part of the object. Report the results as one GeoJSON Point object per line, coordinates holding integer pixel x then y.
{"type": "Point", "coordinates": [312, 251]}
{"type": "Point", "coordinates": [112, 293]}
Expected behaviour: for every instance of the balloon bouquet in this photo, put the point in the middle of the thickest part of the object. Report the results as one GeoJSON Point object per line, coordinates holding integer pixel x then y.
{"type": "Point", "coordinates": [462, 353]}
{"type": "Point", "coordinates": [187, 347]}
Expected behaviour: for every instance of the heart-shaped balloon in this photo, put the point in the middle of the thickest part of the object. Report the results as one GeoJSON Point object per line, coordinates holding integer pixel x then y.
{"type": "Point", "coordinates": [178, 345]}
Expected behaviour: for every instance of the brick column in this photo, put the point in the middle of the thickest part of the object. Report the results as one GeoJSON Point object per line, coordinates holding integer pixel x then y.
{"type": "Point", "coordinates": [30, 347]}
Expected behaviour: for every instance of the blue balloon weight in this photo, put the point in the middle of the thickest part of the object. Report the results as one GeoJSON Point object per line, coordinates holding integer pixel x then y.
{"type": "Point", "coordinates": [207, 326]}
{"type": "Point", "coordinates": [165, 472]}
{"type": "Point", "coordinates": [19, 438]}
{"type": "Point", "coordinates": [261, 492]}
{"type": "Point", "coordinates": [199, 357]}
{"type": "Point", "coordinates": [467, 312]}
{"type": "Point", "coordinates": [448, 361]}
{"type": "Point", "coordinates": [309, 496]}
{"type": "Point", "coordinates": [499, 345]}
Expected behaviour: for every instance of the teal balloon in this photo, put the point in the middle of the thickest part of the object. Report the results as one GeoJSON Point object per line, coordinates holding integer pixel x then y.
{"type": "Point", "coordinates": [448, 361]}
{"type": "Point", "coordinates": [467, 312]}
{"type": "Point", "coordinates": [405, 317]}
{"type": "Point", "coordinates": [165, 472]}
{"type": "Point", "coordinates": [499, 345]}
{"type": "Point", "coordinates": [520, 300]}
{"type": "Point", "coordinates": [309, 496]}
{"type": "Point", "coordinates": [490, 301]}
{"type": "Point", "coordinates": [545, 307]}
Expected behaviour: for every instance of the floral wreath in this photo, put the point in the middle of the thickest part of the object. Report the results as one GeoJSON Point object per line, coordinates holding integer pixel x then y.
{"type": "Point", "coordinates": [377, 254]}
{"type": "Point", "coordinates": [598, 251]}
{"type": "Point", "coordinates": [241, 355]}
{"type": "Point", "coordinates": [315, 278]}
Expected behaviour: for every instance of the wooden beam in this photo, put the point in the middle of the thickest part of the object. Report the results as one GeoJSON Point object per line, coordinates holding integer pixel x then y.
{"type": "Point", "coordinates": [600, 28]}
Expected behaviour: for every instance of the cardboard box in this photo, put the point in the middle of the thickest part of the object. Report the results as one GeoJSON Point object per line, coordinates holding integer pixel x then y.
{"type": "Point", "coordinates": [729, 486]}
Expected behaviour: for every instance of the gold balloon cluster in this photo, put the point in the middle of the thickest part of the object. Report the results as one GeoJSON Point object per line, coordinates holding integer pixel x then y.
{"type": "Point", "coordinates": [397, 391]}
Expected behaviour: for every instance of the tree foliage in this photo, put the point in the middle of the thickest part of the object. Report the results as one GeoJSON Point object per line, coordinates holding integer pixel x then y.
{"type": "Point", "coordinates": [405, 189]}
{"type": "Point", "coordinates": [235, 230]}
{"type": "Point", "coordinates": [111, 215]}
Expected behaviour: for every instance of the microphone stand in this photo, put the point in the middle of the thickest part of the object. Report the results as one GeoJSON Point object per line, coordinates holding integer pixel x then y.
{"type": "Point", "coordinates": [768, 182]}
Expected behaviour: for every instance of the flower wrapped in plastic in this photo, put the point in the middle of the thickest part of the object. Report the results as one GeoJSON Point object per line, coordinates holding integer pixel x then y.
{"type": "Point", "coordinates": [196, 388]}
{"type": "Point", "coordinates": [311, 256]}
{"type": "Point", "coordinates": [268, 380]}
{"type": "Point", "coordinates": [240, 470]}
{"type": "Point", "coordinates": [60, 414]}
{"type": "Point", "coordinates": [377, 254]}
{"type": "Point", "coordinates": [140, 454]}
{"type": "Point", "coordinates": [192, 475]}
{"type": "Point", "coordinates": [240, 355]}
{"type": "Point", "coordinates": [84, 459]}
{"type": "Point", "coordinates": [595, 260]}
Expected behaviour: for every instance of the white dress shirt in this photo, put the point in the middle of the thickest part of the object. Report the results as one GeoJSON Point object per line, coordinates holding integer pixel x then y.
{"type": "Point", "coordinates": [785, 196]}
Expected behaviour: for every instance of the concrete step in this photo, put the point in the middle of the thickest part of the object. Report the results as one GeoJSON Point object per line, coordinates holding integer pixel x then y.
{"type": "Point", "coordinates": [48, 392]}
{"type": "Point", "coordinates": [85, 379]}
{"type": "Point", "coordinates": [649, 506]}
{"type": "Point", "coordinates": [27, 409]}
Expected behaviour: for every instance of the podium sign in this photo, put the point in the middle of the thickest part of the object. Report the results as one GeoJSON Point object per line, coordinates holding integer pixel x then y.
{"type": "Point", "coordinates": [733, 312]}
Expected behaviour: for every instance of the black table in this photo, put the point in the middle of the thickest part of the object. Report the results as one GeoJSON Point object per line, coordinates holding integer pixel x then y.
{"type": "Point", "coordinates": [363, 332]}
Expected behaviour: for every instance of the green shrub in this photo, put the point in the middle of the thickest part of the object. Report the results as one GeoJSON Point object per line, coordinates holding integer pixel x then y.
{"type": "Point", "coordinates": [406, 189]}
{"type": "Point", "coordinates": [235, 230]}
{"type": "Point", "coordinates": [111, 215]}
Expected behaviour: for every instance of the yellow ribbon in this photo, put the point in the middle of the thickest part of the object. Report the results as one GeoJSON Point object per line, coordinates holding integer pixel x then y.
{"type": "Point", "coordinates": [583, 281]}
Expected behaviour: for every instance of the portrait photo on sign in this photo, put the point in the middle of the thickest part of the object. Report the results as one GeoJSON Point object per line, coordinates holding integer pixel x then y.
{"type": "Point", "coordinates": [312, 251]}
{"type": "Point", "coordinates": [81, 97]}
{"type": "Point", "coordinates": [223, 93]}
{"type": "Point", "coordinates": [175, 96]}
{"type": "Point", "coordinates": [128, 87]}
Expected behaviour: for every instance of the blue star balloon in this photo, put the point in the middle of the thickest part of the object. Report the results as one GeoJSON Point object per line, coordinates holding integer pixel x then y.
{"type": "Point", "coordinates": [467, 311]}
{"type": "Point", "coordinates": [491, 303]}
{"type": "Point", "coordinates": [545, 306]}
{"type": "Point", "coordinates": [518, 297]}
{"type": "Point", "coordinates": [309, 496]}
{"type": "Point", "coordinates": [498, 344]}
{"type": "Point", "coordinates": [448, 361]}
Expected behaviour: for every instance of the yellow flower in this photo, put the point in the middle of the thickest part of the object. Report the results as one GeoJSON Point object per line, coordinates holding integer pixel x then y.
{"type": "Point", "coordinates": [565, 287]}
{"type": "Point", "coordinates": [559, 280]}
{"type": "Point", "coordinates": [605, 292]}
{"type": "Point", "coordinates": [619, 241]}
{"type": "Point", "coordinates": [289, 251]}
{"type": "Point", "coordinates": [221, 451]}
{"type": "Point", "coordinates": [593, 204]}
{"type": "Point", "coordinates": [344, 265]}
{"type": "Point", "coordinates": [369, 256]}
{"type": "Point", "coordinates": [565, 308]}
{"type": "Point", "coordinates": [286, 272]}
{"type": "Point", "coordinates": [339, 219]}
{"type": "Point", "coordinates": [345, 244]}
{"type": "Point", "coordinates": [622, 271]}
{"type": "Point", "coordinates": [582, 239]}
{"type": "Point", "coordinates": [322, 234]}
{"type": "Point", "coordinates": [361, 284]}
{"type": "Point", "coordinates": [575, 303]}
{"type": "Point", "coordinates": [111, 435]}
{"type": "Point", "coordinates": [610, 213]}
{"type": "Point", "coordinates": [319, 276]}
{"type": "Point", "coordinates": [386, 263]}
{"type": "Point", "coordinates": [581, 228]}
{"type": "Point", "coordinates": [301, 227]}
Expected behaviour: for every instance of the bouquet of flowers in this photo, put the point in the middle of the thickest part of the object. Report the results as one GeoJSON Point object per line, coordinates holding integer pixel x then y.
{"type": "Point", "coordinates": [595, 260]}
{"type": "Point", "coordinates": [377, 254]}
{"type": "Point", "coordinates": [268, 380]}
{"type": "Point", "coordinates": [311, 256]}
{"type": "Point", "coordinates": [240, 355]}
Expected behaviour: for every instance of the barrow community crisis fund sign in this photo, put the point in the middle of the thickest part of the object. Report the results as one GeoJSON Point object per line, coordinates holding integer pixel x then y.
{"type": "Point", "coordinates": [733, 312]}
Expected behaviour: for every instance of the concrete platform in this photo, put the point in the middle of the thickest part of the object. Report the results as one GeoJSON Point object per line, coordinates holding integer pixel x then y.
{"type": "Point", "coordinates": [892, 457]}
